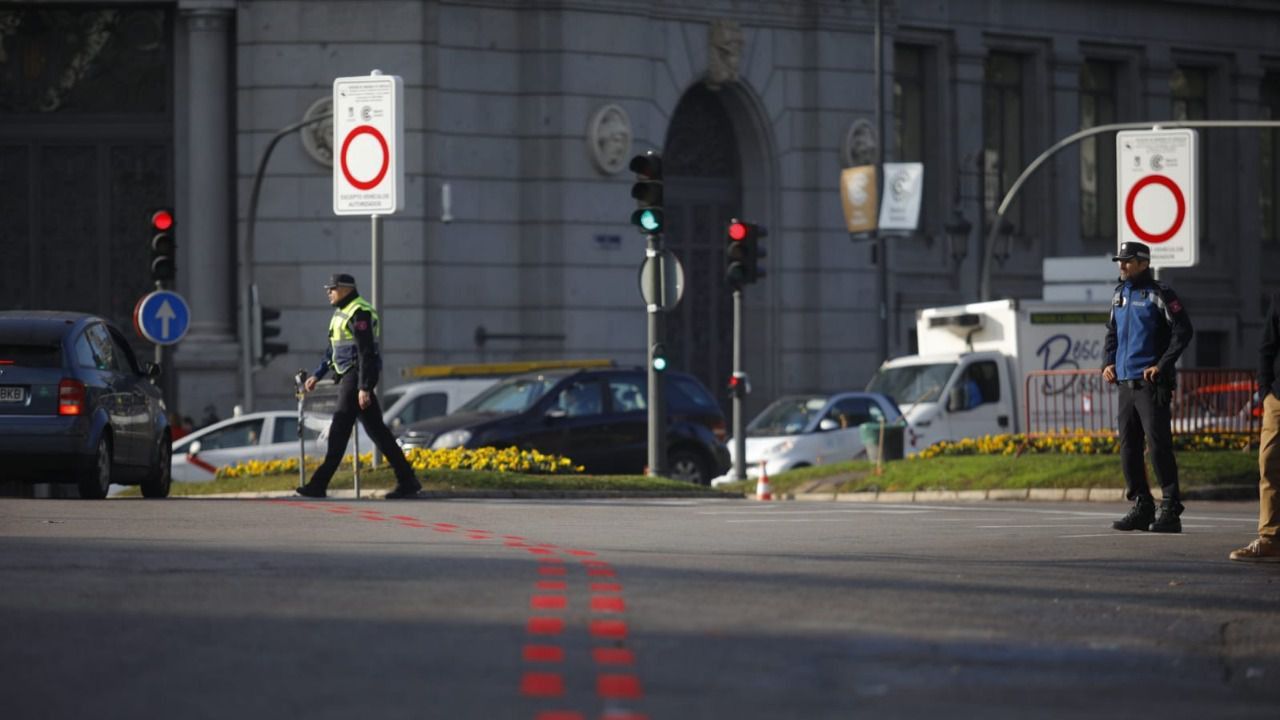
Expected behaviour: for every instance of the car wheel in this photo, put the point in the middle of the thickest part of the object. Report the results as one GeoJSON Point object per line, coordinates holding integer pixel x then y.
{"type": "Point", "coordinates": [160, 477]}
{"type": "Point", "coordinates": [688, 466]}
{"type": "Point", "coordinates": [95, 482]}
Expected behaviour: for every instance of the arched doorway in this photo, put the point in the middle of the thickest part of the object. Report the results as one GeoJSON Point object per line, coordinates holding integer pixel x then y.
{"type": "Point", "coordinates": [703, 176]}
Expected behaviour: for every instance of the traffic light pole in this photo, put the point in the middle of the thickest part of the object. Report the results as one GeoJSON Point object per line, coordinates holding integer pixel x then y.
{"type": "Point", "coordinates": [657, 400]}
{"type": "Point", "coordinates": [739, 437]}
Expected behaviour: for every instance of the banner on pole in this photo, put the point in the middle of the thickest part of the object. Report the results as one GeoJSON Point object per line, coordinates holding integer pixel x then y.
{"type": "Point", "coordinates": [904, 186]}
{"type": "Point", "coordinates": [859, 198]}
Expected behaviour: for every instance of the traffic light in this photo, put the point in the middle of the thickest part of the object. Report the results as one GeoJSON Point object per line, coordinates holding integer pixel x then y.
{"type": "Point", "coordinates": [648, 193]}
{"type": "Point", "coordinates": [735, 254]}
{"type": "Point", "coordinates": [264, 321]}
{"type": "Point", "coordinates": [164, 265]}
{"type": "Point", "coordinates": [754, 252]}
{"type": "Point", "coordinates": [658, 357]}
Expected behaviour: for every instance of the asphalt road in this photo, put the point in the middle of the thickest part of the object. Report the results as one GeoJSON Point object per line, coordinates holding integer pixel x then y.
{"type": "Point", "coordinates": [556, 610]}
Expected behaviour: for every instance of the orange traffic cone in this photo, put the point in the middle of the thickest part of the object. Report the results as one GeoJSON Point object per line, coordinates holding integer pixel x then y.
{"type": "Point", "coordinates": [763, 490]}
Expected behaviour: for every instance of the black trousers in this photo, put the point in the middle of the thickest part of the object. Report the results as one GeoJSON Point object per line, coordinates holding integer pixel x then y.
{"type": "Point", "coordinates": [344, 419]}
{"type": "Point", "coordinates": [1142, 415]}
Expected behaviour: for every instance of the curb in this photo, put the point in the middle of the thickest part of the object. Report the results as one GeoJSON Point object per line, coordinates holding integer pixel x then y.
{"type": "Point", "coordinates": [380, 493]}
{"type": "Point", "coordinates": [1225, 492]}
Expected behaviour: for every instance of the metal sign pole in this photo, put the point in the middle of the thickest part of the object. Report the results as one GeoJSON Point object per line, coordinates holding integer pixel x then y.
{"type": "Point", "coordinates": [300, 390]}
{"type": "Point", "coordinates": [375, 273]}
{"type": "Point", "coordinates": [657, 406]}
{"type": "Point", "coordinates": [739, 437]}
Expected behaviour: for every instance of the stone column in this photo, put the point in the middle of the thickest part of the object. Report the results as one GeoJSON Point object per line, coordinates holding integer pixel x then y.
{"type": "Point", "coordinates": [207, 359]}
{"type": "Point", "coordinates": [970, 71]}
{"type": "Point", "coordinates": [1065, 114]}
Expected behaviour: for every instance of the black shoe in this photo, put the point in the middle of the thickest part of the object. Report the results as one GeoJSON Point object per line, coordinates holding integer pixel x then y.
{"type": "Point", "coordinates": [309, 491]}
{"type": "Point", "coordinates": [404, 491]}
{"type": "Point", "coordinates": [1169, 520]}
{"type": "Point", "coordinates": [1139, 516]}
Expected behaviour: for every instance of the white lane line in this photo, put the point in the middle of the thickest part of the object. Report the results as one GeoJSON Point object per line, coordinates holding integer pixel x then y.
{"type": "Point", "coordinates": [1119, 533]}
{"type": "Point", "coordinates": [1040, 525]}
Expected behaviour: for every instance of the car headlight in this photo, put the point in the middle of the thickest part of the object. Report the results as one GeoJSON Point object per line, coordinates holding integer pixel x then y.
{"type": "Point", "coordinates": [451, 439]}
{"type": "Point", "coordinates": [778, 449]}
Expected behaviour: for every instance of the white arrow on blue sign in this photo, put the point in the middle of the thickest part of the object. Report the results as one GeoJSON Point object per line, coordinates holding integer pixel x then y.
{"type": "Point", "coordinates": [162, 317]}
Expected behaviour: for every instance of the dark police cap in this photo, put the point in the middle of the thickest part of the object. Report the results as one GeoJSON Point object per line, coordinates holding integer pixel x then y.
{"type": "Point", "coordinates": [1130, 250]}
{"type": "Point", "coordinates": [337, 280]}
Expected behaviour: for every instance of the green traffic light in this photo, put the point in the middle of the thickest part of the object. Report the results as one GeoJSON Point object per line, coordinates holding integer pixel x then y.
{"type": "Point", "coordinates": [648, 219]}
{"type": "Point", "coordinates": [659, 364]}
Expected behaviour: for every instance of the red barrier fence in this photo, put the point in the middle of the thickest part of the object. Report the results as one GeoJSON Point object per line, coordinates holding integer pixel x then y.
{"type": "Point", "coordinates": [1080, 402]}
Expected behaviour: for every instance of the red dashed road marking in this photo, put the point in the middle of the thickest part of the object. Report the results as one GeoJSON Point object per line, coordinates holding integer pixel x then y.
{"type": "Point", "coordinates": [601, 572]}
{"type": "Point", "coordinates": [618, 686]}
{"type": "Point", "coordinates": [550, 585]}
{"type": "Point", "coordinates": [543, 653]}
{"type": "Point", "coordinates": [606, 587]}
{"type": "Point", "coordinates": [552, 570]}
{"type": "Point", "coordinates": [581, 553]}
{"type": "Point", "coordinates": [548, 602]}
{"type": "Point", "coordinates": [607, 604]}
{"type": "Point", "coordinates": [538, 684]}
{"type": "Point", "coordinates": [615, 629]}
{"type": "Point", "coordinates": [623, 715]}
{"type": "Point", "coordinates": [613, 656]}
{"type": "Point", "coordinates": [545, 626]}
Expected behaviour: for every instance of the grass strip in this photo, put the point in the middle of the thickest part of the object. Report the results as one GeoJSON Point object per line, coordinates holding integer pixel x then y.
{"type": "Point", "coordinates": [992, 472]}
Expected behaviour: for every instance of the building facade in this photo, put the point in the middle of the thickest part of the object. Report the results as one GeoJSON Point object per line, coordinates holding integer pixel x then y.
{"type": "Point", "coordinates": [520, 116]}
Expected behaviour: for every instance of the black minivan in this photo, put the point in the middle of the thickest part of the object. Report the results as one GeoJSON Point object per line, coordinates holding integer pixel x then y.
{"type": "Point", "coordinates": [598, 418]}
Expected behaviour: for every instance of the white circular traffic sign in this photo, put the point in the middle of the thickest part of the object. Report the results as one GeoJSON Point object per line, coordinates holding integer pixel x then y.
{"type": "Point", "coordinates": [1155, 209]}
{"type": "Point", "coordinates": [365, 157]}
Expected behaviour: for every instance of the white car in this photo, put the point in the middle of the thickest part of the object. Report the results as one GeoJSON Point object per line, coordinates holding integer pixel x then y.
{"type": "Point", "coordinates": [270, 435]}
{"type": "Point", "coordinates": [406, 404]}
{"type": "Point", "coordinates": [800, 430]}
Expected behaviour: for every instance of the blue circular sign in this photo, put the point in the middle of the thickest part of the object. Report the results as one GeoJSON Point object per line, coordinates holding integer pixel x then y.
{"type": "Point", "coordinates": [162, 317]}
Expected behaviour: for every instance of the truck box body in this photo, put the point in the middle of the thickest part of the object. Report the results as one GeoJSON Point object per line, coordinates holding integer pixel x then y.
{"type": "Point", "coordinates": [970, 375]}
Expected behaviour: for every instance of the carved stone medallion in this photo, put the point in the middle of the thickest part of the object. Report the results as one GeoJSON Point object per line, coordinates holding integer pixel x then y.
{"type": "Point", "coordinates": [860, 144]}
{"type": "Point", "coordinates": [317, 138]}
{"type": "Point", "coordinates": [724, 53]}
{"type": "Point", "coordinates": [609, 138]}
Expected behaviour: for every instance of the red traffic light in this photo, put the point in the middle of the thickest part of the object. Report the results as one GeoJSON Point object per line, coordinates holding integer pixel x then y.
{"type": "Point", "coordinates": [737, 231]}
{"type": "Point", "coordinates": [162, 220]}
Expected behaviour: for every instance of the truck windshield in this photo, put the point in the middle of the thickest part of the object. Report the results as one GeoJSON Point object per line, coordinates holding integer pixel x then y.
{"type": "Point", "coordinates": [911, 384]}
{"type": "Point", "coordinates": [786, 416]}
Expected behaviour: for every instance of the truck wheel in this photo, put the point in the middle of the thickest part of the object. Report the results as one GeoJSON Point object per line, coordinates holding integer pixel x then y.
{"type": "Point", "coordinates": [95, 481]}
{"type": "Point", "coordinates": [160, 476]}
{"type": "Point", "coordinates": [688, 466]}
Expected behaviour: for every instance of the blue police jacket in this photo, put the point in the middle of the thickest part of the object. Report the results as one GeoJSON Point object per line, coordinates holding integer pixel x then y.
{"type": "Point", "coordinates": [1148, 326]}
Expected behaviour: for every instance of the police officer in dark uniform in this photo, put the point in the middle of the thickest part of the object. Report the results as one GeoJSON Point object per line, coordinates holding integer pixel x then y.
{"type": "Point", "coordinates": [353, 357]}
{"type": "Point", "coordinates": [1146, 333]}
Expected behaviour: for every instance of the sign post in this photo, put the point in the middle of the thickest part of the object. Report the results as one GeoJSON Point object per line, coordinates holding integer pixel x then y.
{"type": "Point", "coordinates": [1157, 194]}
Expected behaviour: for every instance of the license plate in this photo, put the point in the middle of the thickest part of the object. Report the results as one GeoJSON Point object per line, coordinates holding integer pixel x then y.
{"type": "Point", "coordinates": [12, 394]}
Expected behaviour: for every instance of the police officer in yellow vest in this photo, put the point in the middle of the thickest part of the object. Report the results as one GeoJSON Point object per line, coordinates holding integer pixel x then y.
{"type": "Point", "coordinates": [353, 357]}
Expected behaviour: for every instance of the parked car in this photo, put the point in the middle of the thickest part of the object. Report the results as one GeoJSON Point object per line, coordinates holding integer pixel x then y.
{"type": "Point", "coordinates": [77, 407]}
{"type": "Point", "coordinates": [406, 404]}
{"type": "Point", "coordinates": [596, 417]}
{"type": "Point", "coordinates": [269, 435]}
{"type": "Point", "coordinates": [797, 431]}
{"type": "Point", "coordinates": [1221, 407]}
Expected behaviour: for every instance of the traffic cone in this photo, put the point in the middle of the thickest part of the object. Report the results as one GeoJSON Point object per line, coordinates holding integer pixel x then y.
{"type": "Point", "coordinates": [763, 490]}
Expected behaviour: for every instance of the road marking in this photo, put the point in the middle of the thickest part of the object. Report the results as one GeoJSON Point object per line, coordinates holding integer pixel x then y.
{"type": "Point", "coordinates": [615, 629]}
{"type": "Point", "coordinates": [618, 686]}
{"type": "Point", "coordinates": [539, 684]}
{"type": "Point", "coordinates": [1121, 533]}
{"type": "Point", "coordinates": [548, 602]}
{"type": "Point", "coordinates": [543, 653]}
{"type": "Point", "coordinates": [613, 656]}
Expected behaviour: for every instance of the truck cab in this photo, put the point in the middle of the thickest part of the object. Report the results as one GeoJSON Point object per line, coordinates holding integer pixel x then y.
{"type": "Point", "coordinates": [945, 397]}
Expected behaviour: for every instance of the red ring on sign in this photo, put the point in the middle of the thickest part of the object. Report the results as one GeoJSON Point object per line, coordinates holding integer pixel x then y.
{"type": "Point", "coordinates": [1179, 216]}
{"type": "Point", "coordinates": [386, 157]}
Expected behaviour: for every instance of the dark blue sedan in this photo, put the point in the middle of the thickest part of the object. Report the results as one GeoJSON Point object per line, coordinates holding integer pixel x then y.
{"type": "Point", "coordinates": [76, 406]}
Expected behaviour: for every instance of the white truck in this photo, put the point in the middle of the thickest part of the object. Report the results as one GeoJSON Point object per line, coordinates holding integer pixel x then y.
{"type": "Point", "coordinates": [969, 378]}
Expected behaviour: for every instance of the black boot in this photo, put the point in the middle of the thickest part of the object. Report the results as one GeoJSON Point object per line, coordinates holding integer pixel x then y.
{"type": "Point", "coordinates": [1169, 520]}
{"type": "Point", "coordinates": [310, 491]}
{"type": "Point", "coordinates": [1139, 516]}
{"type": "Point", "coordinates": [405, 489]}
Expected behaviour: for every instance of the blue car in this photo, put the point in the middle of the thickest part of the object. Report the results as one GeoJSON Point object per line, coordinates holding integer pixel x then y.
{"type": "Point", "coordinates": [76, 406]}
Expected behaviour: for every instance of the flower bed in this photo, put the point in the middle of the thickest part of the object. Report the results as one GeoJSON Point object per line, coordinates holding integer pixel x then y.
{"type": "Point", "coordinates": [510, 459]}
{"type": "Point", "coordinates": [1074, 445]}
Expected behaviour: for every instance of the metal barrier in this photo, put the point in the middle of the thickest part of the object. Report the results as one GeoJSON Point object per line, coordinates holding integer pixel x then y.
{"type": "Point", "coordinates": [1080, 402]}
